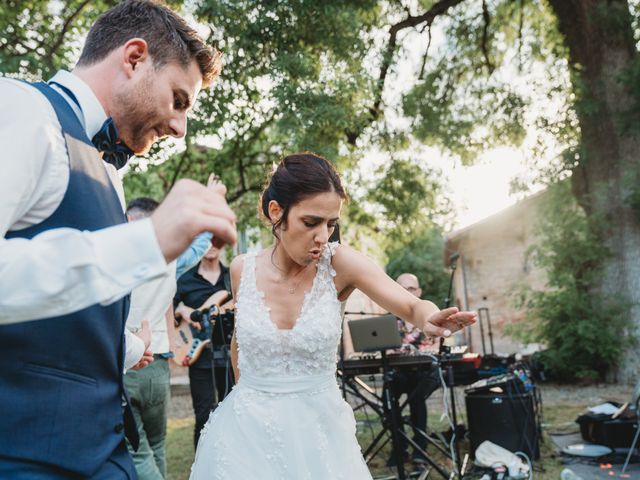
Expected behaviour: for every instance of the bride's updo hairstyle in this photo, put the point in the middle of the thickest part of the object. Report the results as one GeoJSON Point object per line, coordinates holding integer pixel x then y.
{"type": "Point", "coordinates": [297, 177]}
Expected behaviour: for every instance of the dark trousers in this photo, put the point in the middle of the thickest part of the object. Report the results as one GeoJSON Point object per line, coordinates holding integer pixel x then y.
{"type": "Point", "coordinates": [417, 385]}
{"type": "Point", "coordinates": [202, 393]}
{"type": "Point", "coordinates": [118, 466]}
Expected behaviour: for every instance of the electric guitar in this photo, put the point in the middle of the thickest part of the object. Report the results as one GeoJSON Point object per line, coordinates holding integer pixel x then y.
{"type": "Point", "coordinates": [190, 342]}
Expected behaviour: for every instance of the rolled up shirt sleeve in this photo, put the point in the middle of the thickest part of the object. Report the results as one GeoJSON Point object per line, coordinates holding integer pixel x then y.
{"type": "Point", "coordinates": [134, 349]}
{"type": "Point", "coordinates": [61, 271]}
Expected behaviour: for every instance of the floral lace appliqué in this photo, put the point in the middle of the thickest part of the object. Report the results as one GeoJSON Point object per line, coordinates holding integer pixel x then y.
{"type": "Point", "coordinates": [309, 347]}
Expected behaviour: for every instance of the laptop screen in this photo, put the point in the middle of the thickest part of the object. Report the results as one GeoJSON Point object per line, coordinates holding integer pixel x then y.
{"type": "Point", "coordinates": [375, 333]}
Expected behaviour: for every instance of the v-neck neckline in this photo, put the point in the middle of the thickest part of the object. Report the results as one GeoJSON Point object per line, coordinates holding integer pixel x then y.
{"type": "Point", "coordinates": [267, 309]}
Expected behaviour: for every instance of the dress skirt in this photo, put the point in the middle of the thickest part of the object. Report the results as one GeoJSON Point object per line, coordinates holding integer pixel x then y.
{"type": "Point", "coordinates": [284, 428]}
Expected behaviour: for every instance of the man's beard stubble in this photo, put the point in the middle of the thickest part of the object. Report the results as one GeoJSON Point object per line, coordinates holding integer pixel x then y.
{"type": "Point", "coordinates": [136, 117]}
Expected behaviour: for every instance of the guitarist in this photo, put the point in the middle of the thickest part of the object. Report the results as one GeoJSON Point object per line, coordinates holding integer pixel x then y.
{"type": "Point", "coordinates": [148, 388]}
{"type": "Point", "coordinates": [195, 288]}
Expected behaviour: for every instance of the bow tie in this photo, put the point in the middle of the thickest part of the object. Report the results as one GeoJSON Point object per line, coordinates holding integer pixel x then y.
{"type": "Point", "coordinates": [105, 141]}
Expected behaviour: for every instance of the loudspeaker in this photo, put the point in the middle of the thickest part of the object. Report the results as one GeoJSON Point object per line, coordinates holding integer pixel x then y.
{"type": "Point", "coordinates": [602, 430]}
{"type": "Point", "coordinates": [508, 420]}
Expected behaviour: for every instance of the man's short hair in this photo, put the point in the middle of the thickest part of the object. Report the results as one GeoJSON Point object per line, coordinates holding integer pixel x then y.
{"type": "Point", "coordinates": [141, 207]}
{"type": "Point", "coordinates": [169, 37]}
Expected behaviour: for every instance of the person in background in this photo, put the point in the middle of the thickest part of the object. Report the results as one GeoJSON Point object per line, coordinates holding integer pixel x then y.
{"type": "Point", "coordinates": [418, 385]}
{"type": "Point", "coordinates": [149, 388]}
{"type": "Point", "coordinates": [195, 290]}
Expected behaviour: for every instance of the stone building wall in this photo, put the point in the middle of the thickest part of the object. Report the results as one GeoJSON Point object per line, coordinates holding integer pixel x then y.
{"type": "Point", "coordinates": [493, 263]}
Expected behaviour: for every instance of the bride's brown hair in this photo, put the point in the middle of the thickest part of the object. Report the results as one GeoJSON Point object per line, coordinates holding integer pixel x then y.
{"type": "Point", "coordinates": [297, 177]}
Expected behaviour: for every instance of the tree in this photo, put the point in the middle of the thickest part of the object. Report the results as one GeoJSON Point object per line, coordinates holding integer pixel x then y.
{"type": "Point", "coordinates": [604, 62]}
{"type": "Point", "coordinates": [294, 80]}
{"type": "Point", "coordinates": [584, 331]}
{"type": "Point", "coordinates": [464, 105]}
{"type": "Point", "coordinates": [332, 77]}
{"type": "Point", "coordinates": [36, 37]}
{"type": "Point", "coordinates": [591, 40]}
{"type": "Point", "coordinates": [422, 255]}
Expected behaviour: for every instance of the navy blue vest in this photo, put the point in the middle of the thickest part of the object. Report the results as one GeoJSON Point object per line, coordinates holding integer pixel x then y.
{"type": "Point", "coordinates": [61, 385]}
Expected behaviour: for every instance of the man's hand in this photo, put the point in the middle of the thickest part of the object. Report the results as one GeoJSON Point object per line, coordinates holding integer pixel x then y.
{"type": "Point", "coordinates": [144, 333]}
{"type": "Point", "coordinates": [171, 328]}
{"type": "Point", "coordinates": [447, 321]}
{"type": "Point", "coordinates": [147, 358]}
{"type": "Point", "coordinates": [184, 312]}
{"type": "Point", "coordinates": [188, 210]}
{"type": "Point", "coordinates": [213, 179]}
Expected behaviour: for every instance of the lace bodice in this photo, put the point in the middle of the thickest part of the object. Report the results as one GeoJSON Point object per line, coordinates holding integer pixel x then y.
{"type": "Point", "coordinates": [310, 347]}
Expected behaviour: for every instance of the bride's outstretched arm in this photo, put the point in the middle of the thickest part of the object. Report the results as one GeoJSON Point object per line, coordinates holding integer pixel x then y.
{"type": "Point", "coordinates": [355, 270]}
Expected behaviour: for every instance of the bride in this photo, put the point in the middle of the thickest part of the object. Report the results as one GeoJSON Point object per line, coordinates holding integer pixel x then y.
{"type": "Point", "coordinates": [285, 418]}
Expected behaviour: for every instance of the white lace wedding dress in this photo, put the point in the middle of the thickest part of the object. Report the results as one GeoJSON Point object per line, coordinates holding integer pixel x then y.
{"type": "Point", "coordinates": [285, 419]}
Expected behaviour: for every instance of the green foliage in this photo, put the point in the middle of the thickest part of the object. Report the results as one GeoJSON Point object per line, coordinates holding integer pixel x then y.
{"type": "Point", "coordinates": [307, 75]}
{"type": "Point", "coordinates": [298, 76]}
{"type": "Point", "coordinates": [467, 100]}
{"type": "Point", "coordinates": [421, 254]}
{"type": "Point", "coordinates": [293, 79]}
{"type": "Point", "coordinates": [37, 37]}
{"type": "Point", "coordinates": [444, 120]}
{"type": "Point", "coordinates": [408, 197]}
{"type": "Point", "coordinates": [585, 332]}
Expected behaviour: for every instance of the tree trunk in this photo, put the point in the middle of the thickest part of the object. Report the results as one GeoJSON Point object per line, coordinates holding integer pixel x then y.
{"type": "Point", "coordinates": [599, 38]}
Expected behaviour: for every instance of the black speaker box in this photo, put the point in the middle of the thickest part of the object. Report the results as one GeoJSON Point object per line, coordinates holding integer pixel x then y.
{"type": "Point", "coordinates": [603, 430]}
{"type": "Point", "coordinates": [506, 419]}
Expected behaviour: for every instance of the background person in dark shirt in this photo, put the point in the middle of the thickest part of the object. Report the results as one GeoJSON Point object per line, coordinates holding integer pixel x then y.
{"type": "Point", "coordinates": [195, 287]}
{"type": "Point", "coordinates": [418, 385]}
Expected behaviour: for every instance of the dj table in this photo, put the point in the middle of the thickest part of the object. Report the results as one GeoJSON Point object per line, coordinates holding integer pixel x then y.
{"type": "Point", "coordinates": [464, 366]}
{"type": "Point", "coordinates": [372, 365]}
{"type": "Point", "coordinates": [388, 408]}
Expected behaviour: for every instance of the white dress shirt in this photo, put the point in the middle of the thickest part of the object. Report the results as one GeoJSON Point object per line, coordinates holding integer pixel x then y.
{"type": "Point", "coordinates": [61, 270]}
{"type": "Point", "coordinates": [150, 301]}
{"type": "Point", "coordinates": [134, 349]}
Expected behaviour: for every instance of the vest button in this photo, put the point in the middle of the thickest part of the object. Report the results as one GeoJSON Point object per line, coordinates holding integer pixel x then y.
{"type": "Point", "coordinates": [119, 428]}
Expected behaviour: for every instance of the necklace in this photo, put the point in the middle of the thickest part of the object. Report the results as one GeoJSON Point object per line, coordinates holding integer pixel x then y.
{"type": "Point", "coordinates": [291, 287]}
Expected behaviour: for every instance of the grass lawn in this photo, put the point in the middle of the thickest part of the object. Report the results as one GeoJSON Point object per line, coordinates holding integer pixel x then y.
{"type": "Point", "coordinates": [179, 448]}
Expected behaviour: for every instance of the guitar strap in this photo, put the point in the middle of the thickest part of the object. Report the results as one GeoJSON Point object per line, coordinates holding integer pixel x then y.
{"type": "Point", "coordinates": [226, 278]}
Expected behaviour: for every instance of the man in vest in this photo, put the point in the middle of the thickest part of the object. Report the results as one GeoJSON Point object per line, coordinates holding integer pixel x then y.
{"type": "Point", "coordinates": [67, 259]}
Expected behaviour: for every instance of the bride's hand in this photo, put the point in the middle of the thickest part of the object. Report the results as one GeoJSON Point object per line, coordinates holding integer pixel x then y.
{"type": "Point", "coordinates": [447, 321]}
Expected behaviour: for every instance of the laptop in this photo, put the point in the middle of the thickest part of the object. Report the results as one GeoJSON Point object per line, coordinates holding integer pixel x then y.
{"type": "Point", "coordinates": [375, 333]}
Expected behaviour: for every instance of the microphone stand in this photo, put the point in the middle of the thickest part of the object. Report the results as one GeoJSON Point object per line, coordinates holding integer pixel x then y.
{"type": "Point", "coordinates": [226, 354]}
{"type": "Point", "coordinates": [213, 312]}
{"type": "Point", "coordinates": [341, 363]}
{"type": "Point", "coordinates": [444, 351]}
